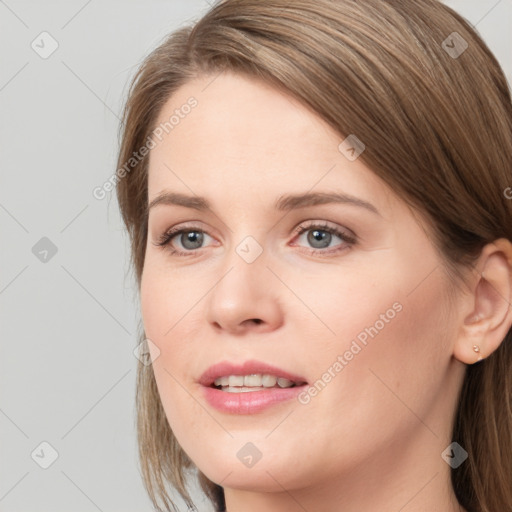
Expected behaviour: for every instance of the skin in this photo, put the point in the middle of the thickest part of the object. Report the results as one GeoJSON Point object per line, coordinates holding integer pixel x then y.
{"type": "Point", "coordinates": [382, 423]}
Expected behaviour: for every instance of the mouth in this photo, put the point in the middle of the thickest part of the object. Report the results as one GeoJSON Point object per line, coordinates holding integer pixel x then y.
{"type": "Point", "coordinates": [249, 377]}
{"type": "Point", "coordinates": [253, 382]}
{"type": "Point", "coordinates": [249, 388]}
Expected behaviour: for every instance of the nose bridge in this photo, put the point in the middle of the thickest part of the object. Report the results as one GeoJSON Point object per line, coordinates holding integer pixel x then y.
{"type": "Point", "coordinates": [246, 256]}
{"type": "Point", "coordinates": [244, 292]}
{"type": "Point", "coordinates": [244, 271]}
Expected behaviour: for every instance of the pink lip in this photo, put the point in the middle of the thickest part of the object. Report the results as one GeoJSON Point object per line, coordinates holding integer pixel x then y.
{"type": "Point", "coordinates": [252, 401]}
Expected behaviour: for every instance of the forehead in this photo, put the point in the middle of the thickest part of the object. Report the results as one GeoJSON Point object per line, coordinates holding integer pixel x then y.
{"type": "Point", "coordinates": [244, 135]}
{"type": "Point", "coordinates": [235, 110]}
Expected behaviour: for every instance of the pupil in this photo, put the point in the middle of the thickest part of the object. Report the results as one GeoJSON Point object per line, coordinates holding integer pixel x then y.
{"type": "Point", "coordinates": [319, 236]}
{"type": "Point", "coordinates": [194, 238]}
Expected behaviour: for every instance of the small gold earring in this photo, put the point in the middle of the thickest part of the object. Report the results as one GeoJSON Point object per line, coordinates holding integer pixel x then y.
{"type": "Point", "coordinates": [476, 348]}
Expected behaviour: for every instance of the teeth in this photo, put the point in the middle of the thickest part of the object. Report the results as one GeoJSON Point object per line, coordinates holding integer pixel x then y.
{"type": "Point", "coordinates": [252, 380]}
{"type": "Point", "coordinates": [236, 380]}
{"type": "Point", "coordinates": [269, 381]}
{"type": "Point", "coordinates": [284, 383]}
{"type": "Point", "coordinates": [244, 383]}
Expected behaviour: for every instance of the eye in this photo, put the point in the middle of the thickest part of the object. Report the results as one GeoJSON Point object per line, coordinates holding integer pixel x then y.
{"type": "Point", "coordinates": [190, 239]}
{"type": "Point", "coordinates": [320, 236]}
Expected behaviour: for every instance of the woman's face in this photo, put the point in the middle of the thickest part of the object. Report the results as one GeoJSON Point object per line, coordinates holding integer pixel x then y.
{"type": "Point", "coordinates": [356, 305]}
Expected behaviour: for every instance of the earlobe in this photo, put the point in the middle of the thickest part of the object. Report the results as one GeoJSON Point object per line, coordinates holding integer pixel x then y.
{"type": "Point", "coordinates": [490, 311]}
{"type": "Point", "coordinates": [476, 348]}
{"type": "Point", "coordinates": [469, 348]}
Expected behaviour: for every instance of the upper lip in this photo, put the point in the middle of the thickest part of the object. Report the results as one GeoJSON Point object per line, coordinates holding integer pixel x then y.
{"type": "Point", "coordinates": [226, 368]}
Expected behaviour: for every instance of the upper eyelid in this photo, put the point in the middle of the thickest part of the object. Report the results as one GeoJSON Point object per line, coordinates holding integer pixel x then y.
{"type": "Point", "coordinates": [195, 226]}
{"type": "Point", "coordinates": [298, 230]}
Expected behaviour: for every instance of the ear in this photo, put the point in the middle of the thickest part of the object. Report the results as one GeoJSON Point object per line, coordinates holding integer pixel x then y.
{"type": "Point", "coordinates": [487, 310]}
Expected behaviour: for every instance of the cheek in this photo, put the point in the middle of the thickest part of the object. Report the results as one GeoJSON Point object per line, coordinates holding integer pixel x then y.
{"type": "Point", "coordinates": [169, 305]}
{"type": "Point", "coordinates": [390, 355]}
{"type": "Point", "coordinates": [345, 305]}
{"type": "Point", "coordinates": [166, 301]}
{"type": "Point", "coordinates": [390, 337]}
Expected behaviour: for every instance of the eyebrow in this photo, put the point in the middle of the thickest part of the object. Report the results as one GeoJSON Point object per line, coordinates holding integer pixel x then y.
{"type": "Point", "coordinates": [284, 203]}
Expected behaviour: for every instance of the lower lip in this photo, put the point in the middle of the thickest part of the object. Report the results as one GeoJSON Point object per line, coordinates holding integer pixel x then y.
{"type": "Point", "coordinates": [249, 402]}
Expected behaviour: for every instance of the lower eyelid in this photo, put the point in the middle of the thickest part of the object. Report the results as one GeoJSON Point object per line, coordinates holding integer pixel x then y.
{"type": "Point", "coordinates": [344, 243]}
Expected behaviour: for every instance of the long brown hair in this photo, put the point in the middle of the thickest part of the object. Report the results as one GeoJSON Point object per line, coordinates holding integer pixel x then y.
{"type": "Point", "coordinates": [434, 111]}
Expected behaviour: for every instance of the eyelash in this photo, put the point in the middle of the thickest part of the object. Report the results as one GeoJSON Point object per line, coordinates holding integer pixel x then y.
{"type": "Point", "coordinates": [165, 239]}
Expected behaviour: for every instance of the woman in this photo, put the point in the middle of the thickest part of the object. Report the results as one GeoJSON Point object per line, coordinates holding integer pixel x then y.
{"type": "Point", "coordinates": [316, 195]}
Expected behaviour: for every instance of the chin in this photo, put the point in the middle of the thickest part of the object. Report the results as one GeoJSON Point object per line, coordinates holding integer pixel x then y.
{"type": "Point", "coordinates": [269, 475]}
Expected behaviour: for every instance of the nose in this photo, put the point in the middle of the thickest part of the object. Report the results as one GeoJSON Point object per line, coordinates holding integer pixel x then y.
{"type": "Point", "coordinates": [246, 298]}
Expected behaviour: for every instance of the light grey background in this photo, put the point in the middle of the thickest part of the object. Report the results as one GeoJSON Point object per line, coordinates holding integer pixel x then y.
{"type": "Point", "coordinates": [67, 369]}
